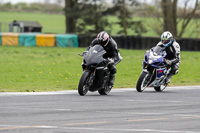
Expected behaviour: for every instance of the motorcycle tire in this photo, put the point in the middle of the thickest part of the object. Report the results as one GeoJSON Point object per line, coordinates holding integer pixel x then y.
{"type": "Point", "coordinates": [140, 84]}
{"type": "Point", "coordinates": [105, 90]}
{"type": "Point", "coordinates": [160, 88]}
{"type": "Point", "coordinates": [82, 90]}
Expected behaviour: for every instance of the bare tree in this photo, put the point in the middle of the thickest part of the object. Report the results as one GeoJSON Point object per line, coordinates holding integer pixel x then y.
{"type": "Point", "coordinates": [124, 14]}
{"type": "Point", "coordinates": [169, 8]}
{"type": "Point", "coordinates": [153, 16]}
{"type": "Point", "coordinates": [69, 18]}
{"type": "Point", "coordinates": [124, 17]}
{"type": "Point", "coordinates": [170, 16]}
{"type": "Point", "coordinates": [187, 17]}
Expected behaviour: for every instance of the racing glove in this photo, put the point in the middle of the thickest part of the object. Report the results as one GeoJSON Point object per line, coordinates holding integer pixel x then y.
{"type": "Point", "coordinates": [168, 62]}
{"type": "Point", "coordinates": [109, 61]}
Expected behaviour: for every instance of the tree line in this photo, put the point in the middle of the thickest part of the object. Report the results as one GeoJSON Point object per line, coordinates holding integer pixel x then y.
{"type": "Point", "coordinates": [82, 13]}
{"type": "Point", "coordinates": [89, 17]}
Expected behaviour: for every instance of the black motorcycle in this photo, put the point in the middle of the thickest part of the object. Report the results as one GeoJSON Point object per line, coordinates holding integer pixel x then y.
{"type": "Point", "coordinates": [96, 74]}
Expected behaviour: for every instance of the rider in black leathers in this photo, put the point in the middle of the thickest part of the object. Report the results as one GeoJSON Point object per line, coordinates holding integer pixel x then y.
{"type": "Point", "coordinates": [112, 53]}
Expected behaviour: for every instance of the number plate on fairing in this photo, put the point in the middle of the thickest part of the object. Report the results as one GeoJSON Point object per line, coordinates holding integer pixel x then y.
{"type": "Point", "coordinates": [159, 72]}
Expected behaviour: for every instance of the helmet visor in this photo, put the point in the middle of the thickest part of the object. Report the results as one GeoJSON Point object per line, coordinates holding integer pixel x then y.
{"type": "Point", "coordinates": [166, 41]}
{"type": "Point", "coordinates": [102, 42]}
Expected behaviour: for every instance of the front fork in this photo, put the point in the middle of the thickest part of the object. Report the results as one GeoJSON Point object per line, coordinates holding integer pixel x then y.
{"type": "Point", "coordinates": [150, 77]}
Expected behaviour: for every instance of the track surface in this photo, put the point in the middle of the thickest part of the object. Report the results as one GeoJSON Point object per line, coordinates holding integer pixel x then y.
{"type": "Point", "coordinates": [176, 110]}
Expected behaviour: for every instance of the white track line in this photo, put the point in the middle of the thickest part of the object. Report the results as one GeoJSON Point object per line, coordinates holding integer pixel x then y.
{"type": "Point", "coordinates": [129, 130]}
{"type": "Point", "coordinates": [75, 91]}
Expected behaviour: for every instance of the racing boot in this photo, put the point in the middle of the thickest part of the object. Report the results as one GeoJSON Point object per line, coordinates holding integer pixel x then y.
{"type": "Point", "coordinates": [168, 79]}
{"type": "Point", "coordinates": [169, 76]}
{"type": "Point", "coordinates": [112, 79]}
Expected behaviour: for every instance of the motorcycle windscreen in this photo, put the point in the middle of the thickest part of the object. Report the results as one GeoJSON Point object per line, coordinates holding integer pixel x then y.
{"type": "Point", "coordinates": [160, 72]}
{"type": "Point", "coordinates": [158, 50]}
{"type": "Point", "coordinates": [94, 55]}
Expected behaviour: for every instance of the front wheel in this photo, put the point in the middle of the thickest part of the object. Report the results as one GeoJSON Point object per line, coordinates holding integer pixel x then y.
{"type": "Point", "coordinates": [142, 82]}
{"type": "Point", "coordinates": [82, 87]}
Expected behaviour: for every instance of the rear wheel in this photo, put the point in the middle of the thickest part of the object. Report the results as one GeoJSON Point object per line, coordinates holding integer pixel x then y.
{"type": "Point", "coordinates": [105, 90]}
{"type": "Point", "coordinates": [142, 82]}
{"type": "Point", "coordinates": [160, 88]}
{"type": "Point", "coordinates": [82, 87]}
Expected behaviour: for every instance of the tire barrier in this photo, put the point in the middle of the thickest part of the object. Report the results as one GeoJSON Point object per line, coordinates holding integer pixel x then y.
{"type": "Point", "coordinates": [73, 40]}
{"type": "Point", "coordinates": [0, 39]}
{"type": "Point", "coordinates": [27, 39]}
{"type": "Point", "coordinates": [10, 39]}
{"type": "Point", "coordinates": [37, 39]}
{"type": "Point", "coordinates": [66, 40]}
{"type": "Point", "coordinates": [45, 40]}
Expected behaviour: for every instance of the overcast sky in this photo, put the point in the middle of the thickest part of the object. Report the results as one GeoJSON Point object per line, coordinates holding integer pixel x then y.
{"type": "Point", "coordinates": [17, 1]}
{"type": "Point", "coordinates": [191, 4]}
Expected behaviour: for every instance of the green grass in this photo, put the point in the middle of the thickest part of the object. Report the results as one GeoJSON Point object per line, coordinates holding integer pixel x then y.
{"type": "Point", "coordinates": [52, 68]}
{"type": "Point", "coordinates": [55, 23]}
{"type": "Point", "coordinates": [51, 23]}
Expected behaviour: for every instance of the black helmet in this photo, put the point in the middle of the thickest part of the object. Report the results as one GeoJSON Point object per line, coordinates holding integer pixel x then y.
{"type": "Point", "coordinates": [103, 38]}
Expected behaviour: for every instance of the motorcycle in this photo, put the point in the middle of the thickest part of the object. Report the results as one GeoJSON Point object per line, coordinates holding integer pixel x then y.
{"type": "Point", "coordinates": [155, 70]}
{"type": "Point", "coordinates": [96, 74]}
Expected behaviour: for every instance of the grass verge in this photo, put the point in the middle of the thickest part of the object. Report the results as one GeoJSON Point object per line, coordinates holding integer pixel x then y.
{"type": "Point", "coordinates": [27, 69]}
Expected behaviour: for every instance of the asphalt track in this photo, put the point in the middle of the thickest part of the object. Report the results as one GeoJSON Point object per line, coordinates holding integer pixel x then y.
{"type": "Point", "coordinates": [176, 110]}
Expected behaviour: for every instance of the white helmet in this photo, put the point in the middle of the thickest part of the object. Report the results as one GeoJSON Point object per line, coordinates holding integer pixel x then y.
{"type": "Point", "coordinates": [166, 38]}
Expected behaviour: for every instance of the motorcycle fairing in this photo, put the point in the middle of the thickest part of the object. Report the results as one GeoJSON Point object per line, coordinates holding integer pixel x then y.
{"type": "Point", "coordinates": [160, 72]}
{"type": "Point", "coordinates": [156, 60]}
{"type": "Point", "coordinates": [94, 55]}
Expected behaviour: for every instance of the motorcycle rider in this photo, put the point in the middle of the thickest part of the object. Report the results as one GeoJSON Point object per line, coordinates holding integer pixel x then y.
{"type": "Point", "coordinates": [172, 48]}
{"type": "Point", "coordinates": [112, 53]}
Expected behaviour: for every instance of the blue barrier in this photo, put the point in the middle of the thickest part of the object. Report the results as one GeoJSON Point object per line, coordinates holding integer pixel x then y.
{"type": "Point", "coordinates": [66, 40]}
{"type": "Point", "coordinates": [28, 39]}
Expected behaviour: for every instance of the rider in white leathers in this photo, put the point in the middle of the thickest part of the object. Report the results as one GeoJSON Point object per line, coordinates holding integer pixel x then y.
{"type": "Point", "coordinates": [172, 48]}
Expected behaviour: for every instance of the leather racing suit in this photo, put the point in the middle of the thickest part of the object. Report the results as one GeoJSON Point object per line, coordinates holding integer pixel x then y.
{"type": "Point", "coordinates": [111, 53]}
{"type": "Point", "coordinates": [173, 56]}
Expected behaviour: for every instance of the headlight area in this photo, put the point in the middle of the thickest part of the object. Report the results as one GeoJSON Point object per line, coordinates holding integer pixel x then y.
{"type": "Point", "coordinates": [150, 61]}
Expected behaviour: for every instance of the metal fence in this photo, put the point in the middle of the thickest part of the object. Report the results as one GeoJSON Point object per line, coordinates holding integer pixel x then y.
{"type": "Point", "coordinates": [136, 42]}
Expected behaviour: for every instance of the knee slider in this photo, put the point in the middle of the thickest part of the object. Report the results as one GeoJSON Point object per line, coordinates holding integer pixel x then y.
{"type": "Point", "coordinates": [176, 72]}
